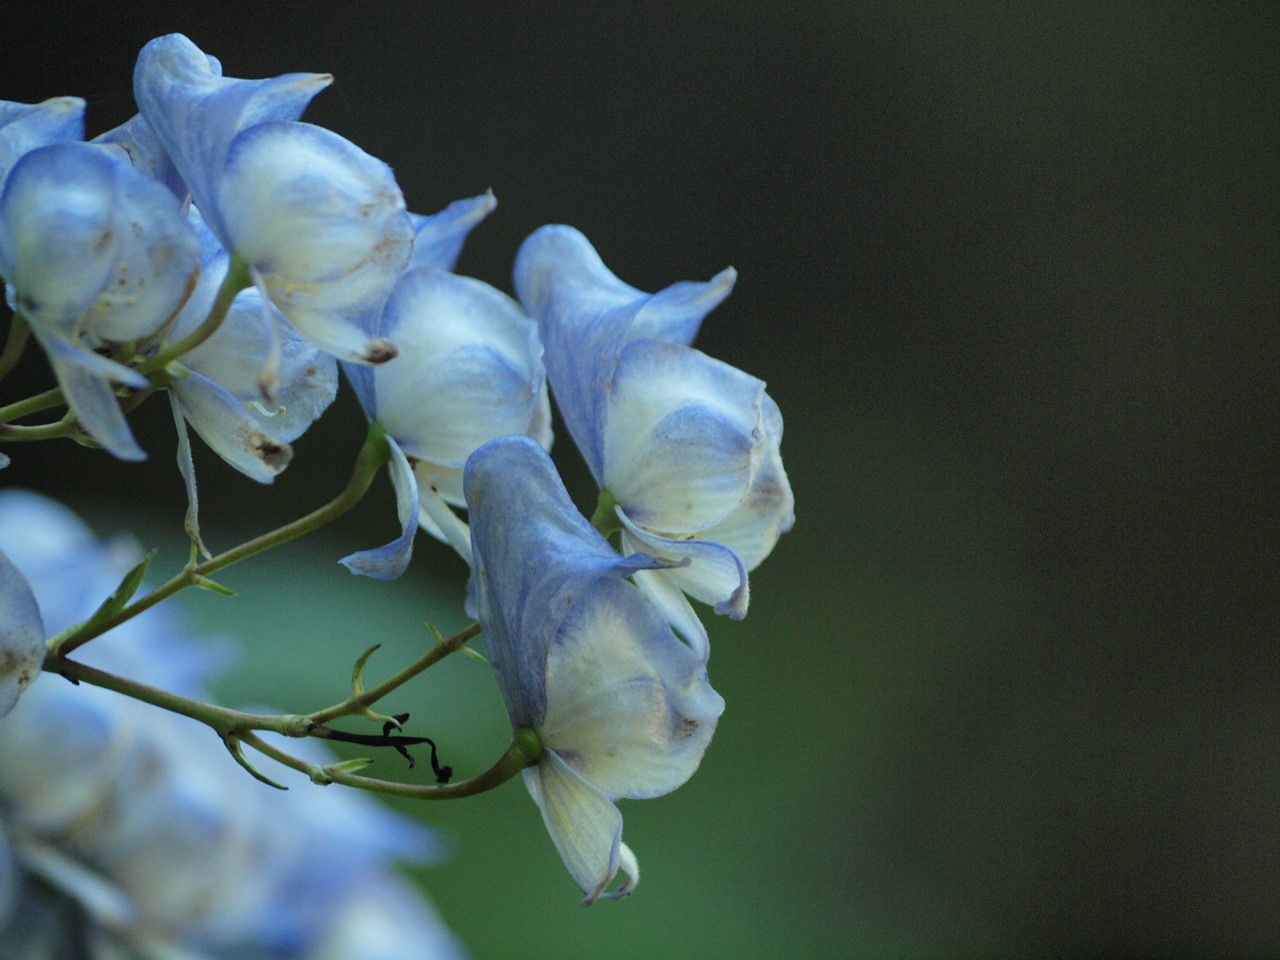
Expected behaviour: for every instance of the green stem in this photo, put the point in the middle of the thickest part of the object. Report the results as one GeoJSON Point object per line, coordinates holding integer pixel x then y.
{"type": "Point", "coordinates": [525, 750]}
{"type": "Point", "coordinates": [357, 704]}
{"type": "Point", "coordinates": [16, 433]}
{"type": "Point", "coordinates": [16, 342]}
{"type": "Point", "coordinates": [35, 404]}
{"type": "Point", "coordinates": [373, 455]}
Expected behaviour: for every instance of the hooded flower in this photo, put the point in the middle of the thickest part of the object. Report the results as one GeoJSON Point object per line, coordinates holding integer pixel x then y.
{"type": "Point", "coordinates": [95, 255]}
{"type": "Point", "coordinates": [622, 707]}
{"type": "Point", "coordinates": [469, 370]}
{"type": "Point", "coordinates": [321, 224]}
{"type": "Point", "coordinates": [688, 447]}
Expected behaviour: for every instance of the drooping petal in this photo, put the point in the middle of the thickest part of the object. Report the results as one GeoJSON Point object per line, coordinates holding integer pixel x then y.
{"type": "Point", "coordinates": [682, 436]}
{"type": "Point", "coordinates": [534, 555]}
{"type": "Point", "coordinates": [21, 635]}
{"type": "Point", "coordinates": [390, 560]}
{"type": "Point", "coordinates": [584, 825]}
{"type": "Point", "coordinates": [711, 571]}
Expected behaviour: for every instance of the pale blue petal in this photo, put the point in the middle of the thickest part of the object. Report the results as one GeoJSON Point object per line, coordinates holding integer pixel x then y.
{"type": "Point", "coordinates": [469, 368]}
{"type": "Point", "coordinates": [187, 467]}
{"type": "Point", "coordinates": [437, 517]}
{"type": "Point", "coordinates": [711, 572]}
{"type": "Point", "coordinates": [21, 635]}
{"type": "Point", "coordinates": [438, 238]}
{"type": "Point", "coordinates": [90, 395]}
{"type": "Point", "coordinates": [768, 509]}
{"type": "Point", "coordinates": [584, 826]}
{"type": "Point", "coordinates": [665, 594]}
{"type": "Point", "coordinates": [628, 705]}
{"type": "Point", "coordinates": [147, 154]}
{"type": "Point", "coordinates": [534, 554]}
{"type": "Point", "coordinates": [225, 424]}
{"type": "Point", "coordinates": [26, 126]}
{"type": "Point", "coordinates": [390, 560]}
{"type": "Point", "coordinates": [683, 436]}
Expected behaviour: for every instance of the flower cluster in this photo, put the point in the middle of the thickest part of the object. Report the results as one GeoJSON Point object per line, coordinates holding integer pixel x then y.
{"type": "Point", "coordinates": [104, 811]}
{"type": "Point", "coordinates": [218, 248]}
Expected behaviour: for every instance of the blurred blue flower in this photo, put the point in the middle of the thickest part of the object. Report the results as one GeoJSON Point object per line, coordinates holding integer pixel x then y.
{"type": "Point", "coordinates": [25, 126]}
{"type": "Point", "coordinates": [321, 223]}
{"type": "Point", "coordinates": [469, 370]}
{"type": "Point", "coordinates": [126, 831]}
{"type": "Point", "coordinates": [95, 255]}
{"type": "Point", "coordinates": [622, 706]}
{"type": "Point", "coordinates": [21, 635]}
{"type": "Point", "coordinates": [688, 447]}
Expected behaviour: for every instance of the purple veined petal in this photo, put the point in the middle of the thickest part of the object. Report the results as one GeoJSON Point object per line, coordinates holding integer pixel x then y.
{"type": "Point", "coordinates": [712, 572]}
{"type": "Point", "coordinates": [534, 554]}
{"type": "Point", "coordinates": [584, 825]}
{"type": "Point", "coordinates": [683, 436]}
{"type": "Point", "coordinates": [390, 560]}
{"type": "Point", "coordinates": [438, 238]}
{"type": "Point", "coordinates": [324, 226]}
{"type": "Point", "coordinates": [85, 383]}
{"type": "Point", "coordinates": [628, 705]}
{"type": "Point", "coordinates": [26, 126]}
{"type": "Point", "coordinates": [196, 112]}
{"type": "Point", "coordinates": [21, 635]}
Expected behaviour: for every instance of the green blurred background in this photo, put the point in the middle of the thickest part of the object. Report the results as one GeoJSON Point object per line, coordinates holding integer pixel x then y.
{"type": "Point", "coordinates": [1011, 272]}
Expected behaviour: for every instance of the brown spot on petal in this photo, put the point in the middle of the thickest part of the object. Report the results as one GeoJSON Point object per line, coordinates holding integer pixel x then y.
{"type": "Point", "coordinates": [380, 351]}
{"type": "Point", "coordinates": [17, 666]}
{"type": "Point", "coordinates": [683, 728]}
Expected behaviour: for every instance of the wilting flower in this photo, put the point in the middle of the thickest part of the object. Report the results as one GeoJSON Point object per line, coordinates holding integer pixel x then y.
{"type": "Point", "coordinates": [321, 224]}
{"type": "Point", "coordinates": [469, 370]}
{"type": "Point", "coordinates": [95, 255]}
{"type": "Point", "coordinates": [622, 707]}
{"type": "Point", "coordinates": [687, 446]}
{"type": "Point", "coordinates": [125, 831]}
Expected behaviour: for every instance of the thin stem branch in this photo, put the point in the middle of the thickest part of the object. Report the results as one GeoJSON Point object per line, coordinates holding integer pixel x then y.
{"type": "Point", "coordinates": [525, 751]}
{"type": "Point", "coordinates": [373, 455]}
{"type": "Point", "coordinates": [34, 404]}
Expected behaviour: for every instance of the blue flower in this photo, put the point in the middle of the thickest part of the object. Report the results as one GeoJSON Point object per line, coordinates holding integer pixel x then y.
{"type": "Point", "coordinates": [321, 223]}
{"type": "Point", "coordinates": [95, 255]}
{"type": "Point", "coordinates": [469, 370]}
{"type": "Point", "coordinates": [688, 447]}
{"type": "Point", "coordinates": [125, 831]}
{"type": "Point", "coordinates": [622, 707]}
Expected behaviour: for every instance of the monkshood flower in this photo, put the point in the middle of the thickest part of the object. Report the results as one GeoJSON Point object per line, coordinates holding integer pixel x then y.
{"type": "Point", "coordinates": [21, 635]}
{"type": "Point", "coordinates": [469, 370]}
{"type": "Point", "coordinates": [95, 255]}
{"type": "Point", "coordinates": [622, 707]}
{"type": "Point", "coordinates": [133, 833]}
{"type": "Point", "coordinates": [686, 446]}
{"type": "Point", "coordinates": [215, 387]}
{"type": "Point", "coordinates": [321, 224]}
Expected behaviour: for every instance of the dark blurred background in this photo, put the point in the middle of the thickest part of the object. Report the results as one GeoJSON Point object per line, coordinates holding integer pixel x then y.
{"type": "Point", "coordinates": [1010, 270]}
